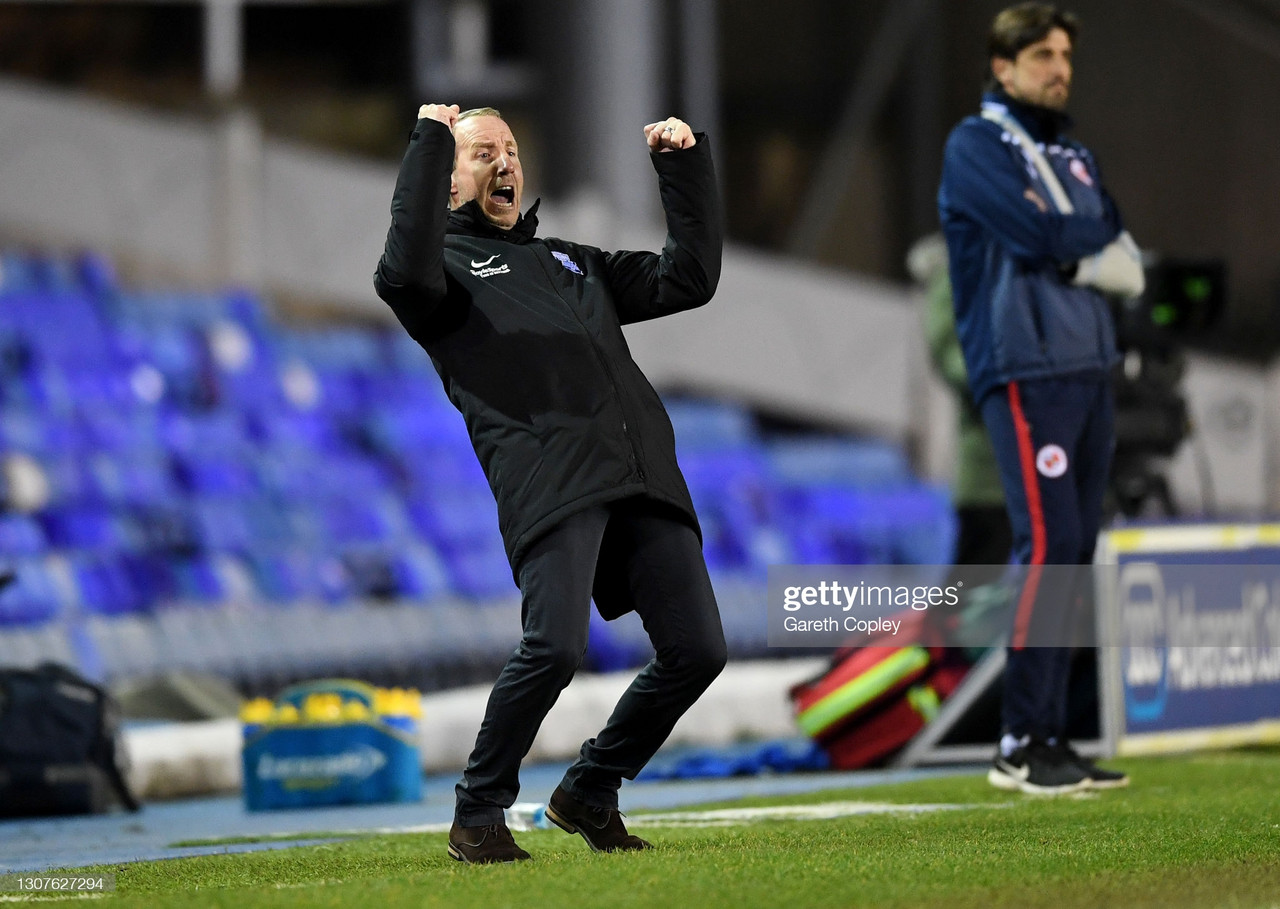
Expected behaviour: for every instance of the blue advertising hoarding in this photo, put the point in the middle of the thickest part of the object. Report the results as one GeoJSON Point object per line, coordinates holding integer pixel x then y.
{"type": "Point", "coordinates": [1192, 614]}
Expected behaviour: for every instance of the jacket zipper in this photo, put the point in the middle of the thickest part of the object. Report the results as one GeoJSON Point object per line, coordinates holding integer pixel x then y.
{"type": "Point", "coordinates": [604, 366]}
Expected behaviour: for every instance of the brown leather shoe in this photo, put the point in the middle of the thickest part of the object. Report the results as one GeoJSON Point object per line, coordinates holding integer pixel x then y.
{"type": "Point", "coordinates": [484, 845]}
{"type": "Point", "coordinates": [602, 828]}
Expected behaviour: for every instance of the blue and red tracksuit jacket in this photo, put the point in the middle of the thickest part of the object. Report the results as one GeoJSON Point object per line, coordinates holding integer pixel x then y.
{"type": "Point", "coordinates": [1017, 314]}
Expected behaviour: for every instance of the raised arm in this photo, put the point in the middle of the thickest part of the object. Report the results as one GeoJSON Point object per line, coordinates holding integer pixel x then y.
{"type": "Point", "coordinates": [647, 285]}
{"type": "Point", "coordinates": [410, 274]}
{"type": "Point", "coordinates": [982, 181]}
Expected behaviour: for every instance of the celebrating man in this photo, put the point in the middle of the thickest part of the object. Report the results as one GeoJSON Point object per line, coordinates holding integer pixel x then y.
{"type": "Point", "coordinates": [526, 335]}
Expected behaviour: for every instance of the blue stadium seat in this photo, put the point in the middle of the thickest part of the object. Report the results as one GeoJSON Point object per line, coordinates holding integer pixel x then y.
{"type": "Point", "coordinates": [151, 576]}
{"type": "Point", "coordinates": [95, 273]}
{"type": "Point", "coordinates": [458, 519]}
{"type": "Point", "coordinates": [341, 392]}
{"type": "Point", "coordinates": [44, 318]}
{"type": "Point", "coordinates": [236, 578]}
{"type": "Point", "coordinates": [133, 478]}
{"type": "Point", "coordinates": [291, 574]}
{"type": "Point", "coordinates": [21, 535]}
{"type": "Point", "coordinates": [109, 586]}
{"type": "Point", "coordinates": [250, 388]}
{"type": "Point", "coordinates": [924, 525]}
{"type": "Point", "coordinates": [831, 524]}
{"type": "Point", "coordinates": [906, 525]}
{"type": "Point", "coordinates": [17, 273]}
{"type": "Point", "coordinates": [401, 388]}
{"type": "Point", "coordinates": [289, 430]}
{"type": "Point", "coordinates": [420, 572]}
{"type": "Point", "coordinates": [225, 475]}
{"type": "Point", "coordinates": [178, 355]}
{"type": "Point", "coordinates": [89, 527]}
{"type": "Point", "coordinates": [221, 432]}
{"type": "Point", "coordinates": [416, 428]}
{"type": "Point", "coordinates": [197, 578]}
{"type": "Point", "coordinates": [26, 429]}
{"type": "Point", "coordinates": [117, 431]}
{"type": "Point", "coordinates": [407, 356]}
{"type": "Point", "coordinates": [101, 388]}
{"type": "Point", "coordinates": [298, 474]}
{"type": "Point", "coordinates": [32, 270]}
{"type": "Point", "coordinates": [706, 424]}
{"type": "Point", "coordinates": [339, 347]}
{"type": "Point", "coordinates": [71, 483]}
{"type": "Point", "coordinates": [441, 470]}
{"type": "Point", "coordinates": [859, 464]}
{"type": "Point", "coordinates": [15, 356]}
{"type": "Point", "coordinates": [348, 519]}
{"type": "Point", "coordinates": [32, 598]}
{"type": "Point", "coordinates": [225, 525]}
{"type": "Point", "coordinates": [481, 573]}
{"type": "Point", "coordinates": [283, 576]}
{"type": "Point", "coordinates": [169, 526]}
{"type": "Point", "coordinates": [732, 492]}
{"type": "Point", "coordinates": [372, 572]}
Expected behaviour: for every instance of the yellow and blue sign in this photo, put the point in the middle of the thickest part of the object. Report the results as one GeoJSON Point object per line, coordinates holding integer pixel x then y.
{"type": "Point", "coordinates": [331, 742]}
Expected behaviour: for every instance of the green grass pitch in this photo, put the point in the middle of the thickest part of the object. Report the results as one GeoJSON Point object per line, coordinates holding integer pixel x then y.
{"type": "Point", "coordinates": [1192, 831]}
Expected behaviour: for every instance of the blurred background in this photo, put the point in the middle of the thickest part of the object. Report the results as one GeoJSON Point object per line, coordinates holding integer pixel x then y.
{"type": "Point", "coordinates": [828, 119]}
{"type": "Point", "coordinates": [221, 456]}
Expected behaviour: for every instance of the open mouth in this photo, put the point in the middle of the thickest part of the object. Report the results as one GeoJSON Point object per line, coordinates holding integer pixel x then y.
{"type": "Point", "coordinates": [504, 195]}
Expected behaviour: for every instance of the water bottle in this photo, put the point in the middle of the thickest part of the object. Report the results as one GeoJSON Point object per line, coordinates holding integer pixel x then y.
{"type": "Point", "coordinates": [528, 816]}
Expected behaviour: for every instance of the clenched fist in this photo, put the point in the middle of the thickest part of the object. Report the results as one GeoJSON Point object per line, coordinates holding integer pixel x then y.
{"type": "Point", "coordinates": [669, 134]}
{"type": "Point", "coordinates": [446, 114]}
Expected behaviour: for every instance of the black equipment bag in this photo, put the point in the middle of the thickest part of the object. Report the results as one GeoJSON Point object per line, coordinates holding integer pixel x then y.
{"type": "Point", "coordinates": [60, 745]}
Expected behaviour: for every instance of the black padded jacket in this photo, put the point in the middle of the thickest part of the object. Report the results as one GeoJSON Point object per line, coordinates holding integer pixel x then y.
{"type": "Point", "coordinates": [526, 334]}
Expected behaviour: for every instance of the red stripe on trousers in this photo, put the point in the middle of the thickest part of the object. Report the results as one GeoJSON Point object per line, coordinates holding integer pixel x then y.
{"type": "Point", "coordinates": [1031, 486]}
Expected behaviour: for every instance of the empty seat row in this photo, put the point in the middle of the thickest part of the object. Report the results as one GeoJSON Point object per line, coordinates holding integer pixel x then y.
{"type": "Point", "coordinates": [193, 458]}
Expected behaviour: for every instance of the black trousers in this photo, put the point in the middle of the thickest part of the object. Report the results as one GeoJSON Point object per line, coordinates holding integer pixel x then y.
{"type": "Point", "coordinates": [666, 577]}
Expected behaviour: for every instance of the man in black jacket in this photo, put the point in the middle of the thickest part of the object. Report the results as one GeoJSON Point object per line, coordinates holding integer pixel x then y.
{"type": "Point", "coordinates": [526, 335]}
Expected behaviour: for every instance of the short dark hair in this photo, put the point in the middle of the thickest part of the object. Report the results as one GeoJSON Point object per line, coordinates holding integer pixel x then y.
{"type": "Point", "coordinates": [1020, 26]}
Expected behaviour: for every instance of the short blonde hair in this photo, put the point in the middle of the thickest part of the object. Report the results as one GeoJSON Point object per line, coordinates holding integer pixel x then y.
{"type": "Point", "coordinates": [479, 112]}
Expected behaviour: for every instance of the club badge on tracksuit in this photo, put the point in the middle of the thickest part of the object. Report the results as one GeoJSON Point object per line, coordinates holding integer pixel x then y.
{"type": "Point", "coordinates": [1051, 461]}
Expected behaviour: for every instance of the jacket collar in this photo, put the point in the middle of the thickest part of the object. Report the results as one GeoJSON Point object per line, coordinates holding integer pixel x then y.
{"type": "Point", "coordinates": [468, 219]}
{"type": "Point", "coordinates": [1041, 123]}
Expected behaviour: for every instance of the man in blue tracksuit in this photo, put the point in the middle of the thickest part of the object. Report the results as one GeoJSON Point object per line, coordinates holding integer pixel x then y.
{"type": "Point", "coordinates": [1034, 242]}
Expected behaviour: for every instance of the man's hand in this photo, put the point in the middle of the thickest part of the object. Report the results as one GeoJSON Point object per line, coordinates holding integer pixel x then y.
{"type": "Point", "coordinates": [669, 134]}
{"type": "Point", "coordinates": [446, 114]}
{"type": "Point", "coordinates": [1116, 270]}
{"type": "Point", "coordinates": [1034, 198]}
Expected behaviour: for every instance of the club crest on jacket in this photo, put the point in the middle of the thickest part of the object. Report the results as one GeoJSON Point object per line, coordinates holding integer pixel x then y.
{"type": "Point", "coordinates": [563, 259]}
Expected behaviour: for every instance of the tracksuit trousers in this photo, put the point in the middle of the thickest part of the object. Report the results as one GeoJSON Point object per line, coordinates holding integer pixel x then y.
{"type": "Point", "coordinates": [669, 588]}
{"type": "Point", "coordinates": [1054, 440]}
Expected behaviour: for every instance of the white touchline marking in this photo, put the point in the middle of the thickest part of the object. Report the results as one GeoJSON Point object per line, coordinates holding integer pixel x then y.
{"type": "Point", "coordinates": [724, 817]}
{"type": "Point", "coordinates": [46, 896]}
{"type": "Point", "coordinates": [819, 812]}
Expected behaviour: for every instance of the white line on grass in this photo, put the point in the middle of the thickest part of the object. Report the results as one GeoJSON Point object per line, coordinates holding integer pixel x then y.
{"type": "Point", "coordinates": [723, 817]}
{"type": "Point", "coordinates": [822, 811]}
{"type": "Point", "coordinates": [45, 896]}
